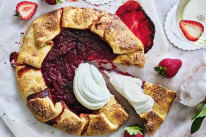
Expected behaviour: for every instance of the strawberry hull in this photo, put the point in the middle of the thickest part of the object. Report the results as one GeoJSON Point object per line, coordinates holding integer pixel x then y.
{"type": "Point", "coordinates": [168, 67]}
{"type": "Point", "coordinates": [134, 131]}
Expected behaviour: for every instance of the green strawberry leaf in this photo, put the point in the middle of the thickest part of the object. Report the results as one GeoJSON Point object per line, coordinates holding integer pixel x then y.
{"type": "Point", "coordinates": [202, 113]}
{"type": "Point", "coordinates": [165, 68]}
{"type": "Point", "coordinates": [158, 68]}
{"type": "Point", "coordinates": [59, 1]}
{"type": "Point", "coordinates": [198, 118]}
{"type": "Point", "coordinates": [161, 70]}
{"type": "Point", "coordinates": [196, 124]}
{"type": "Point", "coordinates": [134, 130]}
{"type": "Point", "coordinates": [16, 15]}
{"type": "Point", "coordinates": [162, 73]}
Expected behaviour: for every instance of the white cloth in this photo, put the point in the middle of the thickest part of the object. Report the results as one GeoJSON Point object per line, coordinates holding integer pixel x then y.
{"type": "Point", "coordinates": [193, 90]}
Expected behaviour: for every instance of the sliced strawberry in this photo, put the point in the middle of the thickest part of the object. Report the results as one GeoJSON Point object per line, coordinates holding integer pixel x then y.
{"type": "Point", "coordinates": [26, 9]}
{"type": "Point", "coordinates": [191, 29]}
{"type": "Point", "coordinates": [53, 2]}
{"type": "Point", "coordinates": [132, 14]}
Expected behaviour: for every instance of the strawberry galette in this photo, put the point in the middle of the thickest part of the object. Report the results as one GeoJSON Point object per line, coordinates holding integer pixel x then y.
{"type": "Point", "coordinates": [64, 91]}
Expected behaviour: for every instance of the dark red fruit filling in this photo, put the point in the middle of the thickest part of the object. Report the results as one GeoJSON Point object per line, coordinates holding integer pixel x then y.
{"type": "Point", "coordinates": [41, 94]}
{"type": "Point", "coordinates": [132, 14]}
{"type": "Point", "coordinates": [13, 59]}
{"type": "Point", "coordinates": [72, 47]}
{"type": "Point", "coordinates": [25, 69]}
{"type": "Point", "coordinates": [13, 62]}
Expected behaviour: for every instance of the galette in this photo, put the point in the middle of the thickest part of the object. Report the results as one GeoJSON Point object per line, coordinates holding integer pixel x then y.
{"type": "Point", "coordinates": [62, 89]}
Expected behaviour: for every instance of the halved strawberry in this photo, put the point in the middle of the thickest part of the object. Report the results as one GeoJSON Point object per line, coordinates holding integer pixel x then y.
{"type": "Point", "coordinates": [53, 2]}
{"type": "Point", "coordinates": [26, 9]}
{"type": "Point", "coordinates": [132, 14]}
{"type": "Point", "coordinates": [191, 29]}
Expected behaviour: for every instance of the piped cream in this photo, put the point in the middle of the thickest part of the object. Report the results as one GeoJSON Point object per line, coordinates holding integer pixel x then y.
{"type": "Point", "coordinates": [89, 87]}
{"type": "Point", "coordinates": [131, 89]}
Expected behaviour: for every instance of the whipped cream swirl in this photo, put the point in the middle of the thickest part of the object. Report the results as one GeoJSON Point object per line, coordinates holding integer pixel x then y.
{"type": "Point", "coordinates": [131, 89]}
{"type": "Point", "coordinates": [89, 87]}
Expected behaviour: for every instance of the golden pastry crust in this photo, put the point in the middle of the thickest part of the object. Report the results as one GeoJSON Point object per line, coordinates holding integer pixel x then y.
{"type": "Point", "coordinates": [36, 44]}
{"type": "Point", "coordinates": [37, 41]}
{"type": "Point", "coordinates": [103, 121]}
{"type": "Point", "coordinates": [114, 112]}
{"type": "Point", "coordinates": [99, 125]}
{"type": "Point", "coordinates": [111, 29]}
{"type": "Point", "coordinates": [30, 53]}
{"type": "Point", "coordinates": [134, 57]}
{"type": "Point", "coordinates": [44, 109]}
{"type": "Point", "coordinates": [47, 27]}
{"type": "Point", "coordinates": [70, 123]}
{"type": "Point", "coordinates": [80, 18]}
{"type": "Point", "coordinates": [163, 99]}
{"type": "Point", "coordinates": [152, 121]}
{"type": "Point", "coordinates": [29, 81]}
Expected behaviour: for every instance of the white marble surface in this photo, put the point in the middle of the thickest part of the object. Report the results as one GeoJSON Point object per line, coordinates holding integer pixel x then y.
{"type": "Point", "coordinates": [4, 130]}
{"type": "Point", "coordinates": [162, 7]}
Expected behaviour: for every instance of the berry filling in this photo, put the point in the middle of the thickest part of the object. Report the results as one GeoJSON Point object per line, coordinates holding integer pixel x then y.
{"type": "Point", "coordinates": [72, 47]}
{"type": "Point", "coordinates": [13, 59]}
{"type": "Point", "coordinates": [41, 94]}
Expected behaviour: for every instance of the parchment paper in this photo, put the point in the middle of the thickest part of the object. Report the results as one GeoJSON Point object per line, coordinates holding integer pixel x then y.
{"type": "Point", "coordinates": [21, 121]}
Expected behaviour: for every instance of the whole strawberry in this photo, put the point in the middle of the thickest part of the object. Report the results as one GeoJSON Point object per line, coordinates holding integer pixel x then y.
{"type": "Point", "coordinates": [53, 2]}
{"type": "Point", "coordinates": [168, 67]}
{"type": "Point", "coordinates": [25, 9]}
{"type": "Point", "coordinates": [134, 131]}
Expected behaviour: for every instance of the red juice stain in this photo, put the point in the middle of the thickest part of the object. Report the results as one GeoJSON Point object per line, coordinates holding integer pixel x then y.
{"type": "Point", "coordinates": [25, 69]}
{"type": "Point", "coordinates": [143, 83]}
{"type": "Point", "coordinates": [133, 15]}
{"type": "Point", "coordinates": [13, 62]}
{"type": "Point", "coordinates": [41, 94]}
{"type": "Point", "coordinates": [13, 59]}
{"type": "Point", "coordinates": [116, 70]}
